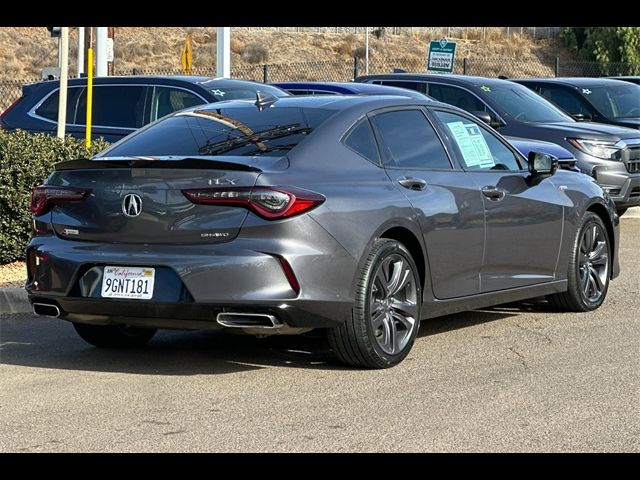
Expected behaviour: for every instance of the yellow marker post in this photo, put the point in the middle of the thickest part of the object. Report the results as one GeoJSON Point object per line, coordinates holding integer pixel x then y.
{"type": "Point", "coordinates": [89, 95]}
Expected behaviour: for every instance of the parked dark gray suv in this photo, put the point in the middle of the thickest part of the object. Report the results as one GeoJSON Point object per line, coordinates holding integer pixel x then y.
{"type": "Point", "coordinates": [608, 153]}
{"type": "Point", "coordinates": [362, 215]}
{"type": "Point", "coordinates": [121, 104]}
{"type": "Point", "coordinates": [602, 100]}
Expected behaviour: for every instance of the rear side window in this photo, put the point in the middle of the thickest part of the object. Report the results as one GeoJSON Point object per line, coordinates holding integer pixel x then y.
{"type": "Point", "coordinates": [114, 106]}
{"type": "Point", "coordinates": [49, 108]}
{"type": "Point", "coordinates": [566, 100]}
{"type": "Point", "coordinates": [361, 140]}
{"type": "Point", "coordinates": [167, 100]}
{"type": "Point", "coordinates": [240, 131]}
{"type": "Point", "coordinates": [417, 86]}
{"type": "Point", "coordinates": [409, 141]}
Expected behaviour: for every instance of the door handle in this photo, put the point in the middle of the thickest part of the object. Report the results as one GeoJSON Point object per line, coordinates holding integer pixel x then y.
{"type": "Point", "coordinates": [493, 193]}
{"type": "Point", "coordinates": [412, 183]}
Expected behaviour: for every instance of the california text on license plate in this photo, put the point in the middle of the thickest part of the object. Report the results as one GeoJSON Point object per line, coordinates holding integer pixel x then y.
{"type": "Point", "coordinates": [128, 282]}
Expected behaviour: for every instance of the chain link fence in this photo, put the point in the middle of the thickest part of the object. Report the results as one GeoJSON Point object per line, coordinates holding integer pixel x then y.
{"type": "Point", "coordinates": [344, 71]}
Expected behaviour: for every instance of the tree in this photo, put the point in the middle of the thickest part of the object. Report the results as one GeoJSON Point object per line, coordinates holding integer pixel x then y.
{"type": "Point", "coordinates": [616, 49]}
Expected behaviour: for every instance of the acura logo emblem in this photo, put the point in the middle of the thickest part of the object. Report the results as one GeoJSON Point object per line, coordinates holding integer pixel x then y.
{"type": "Point", "coordinates": [132, 205]}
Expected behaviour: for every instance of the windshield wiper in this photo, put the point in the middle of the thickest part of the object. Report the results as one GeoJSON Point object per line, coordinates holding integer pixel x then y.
{"type": "Point", "coordinates": [280, 131]}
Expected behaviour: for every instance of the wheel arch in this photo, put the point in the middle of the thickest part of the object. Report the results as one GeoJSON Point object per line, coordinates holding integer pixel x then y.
{"type": "Point", "coordinates": [411, 242]}
{"type": "Point", "coordinates": [602, 212]}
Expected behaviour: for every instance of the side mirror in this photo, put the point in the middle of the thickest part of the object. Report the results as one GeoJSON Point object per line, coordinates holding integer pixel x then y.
{"type": "Point", "coordinates": [542, 163]}
{"type": "Point", "coordinates": [486, 118]}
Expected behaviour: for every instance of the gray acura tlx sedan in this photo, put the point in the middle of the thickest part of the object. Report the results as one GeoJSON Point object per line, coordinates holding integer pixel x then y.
{"type": "Point", "coordinates": [358, 215]}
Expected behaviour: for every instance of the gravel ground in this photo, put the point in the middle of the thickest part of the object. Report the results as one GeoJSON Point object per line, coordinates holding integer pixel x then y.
{"type": "Point", "coordinates": [13, 274]}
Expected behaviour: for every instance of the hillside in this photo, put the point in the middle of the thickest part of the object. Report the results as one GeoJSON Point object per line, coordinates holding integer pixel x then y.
{"type": "Point", "coordinates": [24, 51]}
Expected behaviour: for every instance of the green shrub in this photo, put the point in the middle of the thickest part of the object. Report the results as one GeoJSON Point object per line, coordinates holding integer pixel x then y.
{"type": "Point", "coordinates": [27, 160]}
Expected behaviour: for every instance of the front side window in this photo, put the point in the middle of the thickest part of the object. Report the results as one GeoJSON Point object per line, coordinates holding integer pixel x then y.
{"type": "Point", "coordinates": [167, 100]}
{"type": "Point", "coordinates": [417, 86]}
{"type": "Point", "coordinates": [478, 148]}
{"type": "Point", "coordinates": [620, 101]}
{"type": "Point", "coordinates": [114, 106]}
{"type": "Point", "coordinates": [522, 104]}
{"type": "Point", "coordinates": [409, 141]}
{"type": "Point", "coordinates": [564, 99]}
{"type": "Point", "coordinates": [457, 97]}
{"type": "Point", "coordinates": [361, 140]}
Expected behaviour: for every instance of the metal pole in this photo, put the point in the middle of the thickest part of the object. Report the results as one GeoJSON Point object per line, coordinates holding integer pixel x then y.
{"type": "Point", "coordinates": [101, 52]}
{"type": "Point", "coordinates": [80, 51]}
{"type": "Point", "coordinates": [87, 138]}
{"type": "Point", "coordinates": [64, 72]}
{"type": "Point", "coordinates": [223, 52]}
{"type": "Point", "coordinates": [366, 51]}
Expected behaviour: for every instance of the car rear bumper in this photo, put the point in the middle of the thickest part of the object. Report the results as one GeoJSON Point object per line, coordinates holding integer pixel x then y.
{"type": "Point", "coordinates": [196, 282]}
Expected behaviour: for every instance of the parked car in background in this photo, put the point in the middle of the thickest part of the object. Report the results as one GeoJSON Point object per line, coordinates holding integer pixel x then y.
{"type": "Point", "coordinates": [602, 100]}
{"type": "Point", "coordinates": [609, 153]}
{"type": "Point", "coordinates": [354, 88]}
{"type": "Point", "coordinates": [526, 146]}
{"type": "Point", "coordinates": [631, 79]}
{"type": "Point", "coordinates": [345, 88]}
{"type": "Point", "coordinates": [121, 104]}
{"type": "Point", "coordinates": [361, 215]}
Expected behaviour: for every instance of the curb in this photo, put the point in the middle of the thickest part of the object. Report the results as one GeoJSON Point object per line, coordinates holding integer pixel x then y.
{"type": "Point", "coordinates": [14, 300]}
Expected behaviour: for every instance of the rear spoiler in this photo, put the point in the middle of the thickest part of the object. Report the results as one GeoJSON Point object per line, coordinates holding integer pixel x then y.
{"type": "Point", "coordinates": [188, 162]}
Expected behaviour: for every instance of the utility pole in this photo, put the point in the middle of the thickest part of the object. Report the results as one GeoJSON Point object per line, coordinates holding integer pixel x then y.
{"type": "Point", "coordinates": [223, 52]}
{"type": "Point", "coordinates": [366, 51]}
{"type": "Point", "coordinates": [64, 71]}
{"type": "Point", "coordinates": [101, 52]}
{"type": "Point", "coordinates": [80, 51]}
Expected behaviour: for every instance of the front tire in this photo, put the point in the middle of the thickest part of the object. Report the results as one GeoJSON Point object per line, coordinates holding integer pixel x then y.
{"type": "Point", "coordinates": [589, 268]}
{"type": "Point", "coordinates": [386, 315]}
{"type": "Point", "coordinates": [114, 336]}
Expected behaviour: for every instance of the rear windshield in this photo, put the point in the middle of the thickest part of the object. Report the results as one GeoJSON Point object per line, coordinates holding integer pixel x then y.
{"type": "Point", "coordinates": [223, 131]}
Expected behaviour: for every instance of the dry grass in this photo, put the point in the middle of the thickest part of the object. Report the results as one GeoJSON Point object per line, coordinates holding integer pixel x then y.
{"type": "Point", "coordinates": [13, 274]}
{"type": "Point", "coordinates": [24, 51]}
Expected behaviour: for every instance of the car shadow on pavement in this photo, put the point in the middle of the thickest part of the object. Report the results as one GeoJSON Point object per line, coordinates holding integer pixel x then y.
{"type": "Point", "coordinates": [42, 343]}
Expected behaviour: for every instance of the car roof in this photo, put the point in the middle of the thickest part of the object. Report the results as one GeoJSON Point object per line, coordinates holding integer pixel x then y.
{"type": "Point", "coordinates": [469, 80]}
{"type": "Point", "coordinates": [331, 102]}
{"type": "Point", "coordinates": [574, 81]}
{"type": "Point", "coordinates": [205, 82]}
{"type": "Point", "coordinates": [350, 87]}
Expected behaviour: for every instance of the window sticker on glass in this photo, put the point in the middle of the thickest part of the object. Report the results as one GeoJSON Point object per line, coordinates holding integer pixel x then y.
{"type": "Point", "coordinates": [472, 144]}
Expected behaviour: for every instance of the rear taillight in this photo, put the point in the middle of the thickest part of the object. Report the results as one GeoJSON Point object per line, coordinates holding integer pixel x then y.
{"type": "Point", "coordinates": [271, 203]}
{"type": "Point", "coordinates": [43, 197]}
{"type": "Point", "coordinates": [3, 114]}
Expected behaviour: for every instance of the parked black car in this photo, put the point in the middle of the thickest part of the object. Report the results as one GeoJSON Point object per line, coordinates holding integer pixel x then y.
{"type": "Point", "coordinates": [609, 153]}
{"type": "Point", "coordinates": [121, 104]}
{"type": "Point", "coordinates": [600, 100]}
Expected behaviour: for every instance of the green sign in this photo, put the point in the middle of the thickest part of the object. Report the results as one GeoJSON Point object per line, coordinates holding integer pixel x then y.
{"type": "Point", "coordinates": [442, 54]}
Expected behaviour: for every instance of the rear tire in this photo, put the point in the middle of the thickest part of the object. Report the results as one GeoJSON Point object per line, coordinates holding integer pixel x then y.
{"type": "Point", "coordinates": [114, 336]}
{"type": "Point", "coordinates": [589, 268]}
{"type": "Point", "coordinates": [386, 316]}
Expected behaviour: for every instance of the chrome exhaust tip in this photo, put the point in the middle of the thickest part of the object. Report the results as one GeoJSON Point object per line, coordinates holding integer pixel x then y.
{"type": "Point", "coordinates": [46, 310]}
{"type": "Point", "coordinates": [248, 320]}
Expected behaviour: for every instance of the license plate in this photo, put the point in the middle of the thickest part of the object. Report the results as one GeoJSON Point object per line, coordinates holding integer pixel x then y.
{"type": "Point", "coordinates": [128, 282]}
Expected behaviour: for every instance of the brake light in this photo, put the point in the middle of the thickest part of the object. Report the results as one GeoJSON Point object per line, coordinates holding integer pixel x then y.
{"type": "Point", "coordinates": [272, 203]}
{"type": "Point", "coordinates": [4, 114]}
{"type": "Point", "coordinates": [43, 197]}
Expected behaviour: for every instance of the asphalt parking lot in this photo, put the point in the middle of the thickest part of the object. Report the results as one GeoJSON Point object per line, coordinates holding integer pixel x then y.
{"type": "Point", "coordinates": [514, 378]}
